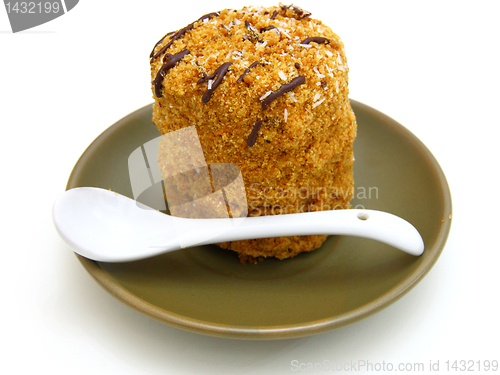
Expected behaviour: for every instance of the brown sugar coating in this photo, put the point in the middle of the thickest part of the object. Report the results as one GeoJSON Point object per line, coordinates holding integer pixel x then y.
{"type": "Point", "coordinates": [267, 89]}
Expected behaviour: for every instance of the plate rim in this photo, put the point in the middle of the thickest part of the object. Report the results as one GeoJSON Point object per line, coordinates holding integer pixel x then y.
{"type": "Point", "coordinates": [276, 331]}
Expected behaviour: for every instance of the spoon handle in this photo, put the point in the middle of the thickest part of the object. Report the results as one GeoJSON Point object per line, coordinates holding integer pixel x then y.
{"type": "Point", "coordinates": [377, 225]}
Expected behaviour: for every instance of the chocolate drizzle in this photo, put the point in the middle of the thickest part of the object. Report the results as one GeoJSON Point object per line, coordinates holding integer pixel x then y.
{"type": "Point", "coordinates": [159, 42]}
{"type": "Point", "coordinates": [254, 34]}
{"type": "Point", "coordinates": [253, 135]}
{"type": "Point", "coordinates": [250, 27]}
{"type": "Point", "coordinates": [299, 12]}
{"type": "Point", "coordinates": [220, 72]}
{"type": "Point", "coordinates": [166, 57]}
{"type": "Point", "coordinates": [174, 59]}
{"type": "Point", "coordinates": [283, 89]}
{"type": "Point", "coordinates": [267, 28]}
{"type": "Point", "coordinates": [275, 13]}
{"type": "Point", "coordinates": [315, 39]}
{"type": "Point", "coordinates": [181, 33]}
{"type": "Point", "coordinates": [240, 79]}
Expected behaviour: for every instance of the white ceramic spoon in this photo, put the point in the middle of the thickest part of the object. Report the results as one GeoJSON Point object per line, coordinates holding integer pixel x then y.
{"type": "Point", "coordinates": [105, 226]}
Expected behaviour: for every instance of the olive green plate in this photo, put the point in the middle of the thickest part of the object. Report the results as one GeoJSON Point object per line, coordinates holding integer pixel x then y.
{"type": "Point", "coordinates": [206, 290]}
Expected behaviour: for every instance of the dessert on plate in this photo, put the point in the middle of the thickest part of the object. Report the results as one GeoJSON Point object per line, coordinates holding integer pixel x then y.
{"type": "Point", "coordinates": [267, 90]}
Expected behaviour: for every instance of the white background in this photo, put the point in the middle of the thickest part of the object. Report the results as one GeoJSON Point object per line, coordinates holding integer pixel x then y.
{"type": "Point", "coordinates": [432, 66]}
